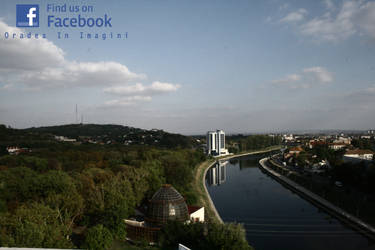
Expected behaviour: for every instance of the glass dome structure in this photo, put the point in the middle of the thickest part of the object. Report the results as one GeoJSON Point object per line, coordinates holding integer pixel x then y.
{"type": "Point", "coordinates": [166, 204]}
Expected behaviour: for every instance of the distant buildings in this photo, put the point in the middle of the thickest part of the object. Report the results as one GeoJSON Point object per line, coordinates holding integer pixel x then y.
{"type": "Point", "coordinates": [344, 140]}
{"type": "Point", "coordinates": [288, 137]}
{"type": "Point", "coordinates": [13, 150]}
{"type": "Point", "coordinates": [216, 143]}
{"type": "Point", "coordinates": [358, 155]}
{"type": "Point", "coordinates": [17, 150]}
{"type": "Point", "coordinates": [337, 146]}
{"type": "Point", "coordinates": [64, 139]}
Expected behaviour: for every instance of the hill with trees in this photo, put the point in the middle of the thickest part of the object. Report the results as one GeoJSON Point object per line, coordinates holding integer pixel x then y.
{"type": "Point", "coordinates": [76, 194]}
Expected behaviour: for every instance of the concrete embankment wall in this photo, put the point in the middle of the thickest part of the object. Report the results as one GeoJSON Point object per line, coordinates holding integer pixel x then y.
{"type": "Point", "coordinates": [351, 220]}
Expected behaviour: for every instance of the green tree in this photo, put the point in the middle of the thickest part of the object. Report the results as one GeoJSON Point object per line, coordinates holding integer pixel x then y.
{"type": "Point", "coordinates": [108, 202]}
{"type": "Point", "coordinates": [35, 225]}
{"type": "Point", "coordinates": [98, 238]}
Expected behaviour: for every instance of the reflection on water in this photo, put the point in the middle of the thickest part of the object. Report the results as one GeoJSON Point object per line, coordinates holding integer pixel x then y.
{"type": "Point", "coordinates": [216, 175]}
{"type": "Point", "coordinates": [273, 216]}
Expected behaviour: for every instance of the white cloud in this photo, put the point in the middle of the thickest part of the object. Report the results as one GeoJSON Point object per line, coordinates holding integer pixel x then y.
{"type": "Point", "coordinates": [295, 16]}
{"type": "Point", "coordinates": [307, 78]}
{"type": "Point", "coordinates": [164, 87]}
{"type": "Point", "coordinates": [26, 54]}
{"type": "Point", "coordinates": [288, 78]}
{"type": "Point", "coordinates": [38, 64]}
{"type": "Point", "coordinates": [127, 101]}
{"type": "Point", "coordinates": [333, 28]}
{"type": "Point", "coordinates": [320, 73]}
{"type": "Point", "coordinates": [366, 19]}
{"type": "Point", "coordinates": [82, 74]}
{"type": "Point", "coordinates": [338, 22]}
{"type": "Point", "coordinates": [139, 88]}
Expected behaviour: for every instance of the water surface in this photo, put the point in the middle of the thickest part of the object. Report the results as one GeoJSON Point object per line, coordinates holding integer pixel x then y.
{"type": "Point", "coordinates": [274, 217]}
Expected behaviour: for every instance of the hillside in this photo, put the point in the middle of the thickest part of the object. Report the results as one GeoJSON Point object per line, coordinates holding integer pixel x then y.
{"type": "Point", "coordinates": [97, 134]}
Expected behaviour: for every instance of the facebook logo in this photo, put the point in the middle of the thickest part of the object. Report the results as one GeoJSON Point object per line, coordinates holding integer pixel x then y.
{"type": "Point", "coordinates": [27, 15]}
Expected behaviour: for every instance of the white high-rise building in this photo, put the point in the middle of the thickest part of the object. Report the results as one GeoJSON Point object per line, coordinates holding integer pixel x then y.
{"type": "Point", "coordinates": [216, 143]}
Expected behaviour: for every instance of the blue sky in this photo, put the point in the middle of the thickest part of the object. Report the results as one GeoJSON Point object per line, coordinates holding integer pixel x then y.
{"type": "Point", "coordinates": [193, 66]}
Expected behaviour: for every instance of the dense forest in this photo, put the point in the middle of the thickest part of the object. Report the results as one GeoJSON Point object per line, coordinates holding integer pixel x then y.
{"type": "Point", "coordinates": [75, 194]}
{"type": "Point", "coordinates": [58, 194]}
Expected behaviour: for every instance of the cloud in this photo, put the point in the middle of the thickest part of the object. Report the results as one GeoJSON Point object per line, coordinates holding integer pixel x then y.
{"type": "Point", "coordinates": [21, 54]}
{"type": "Point", "coordinates": [138, 93]}
{"type": "Point", "coordinates": [320, 73]}
{"type": "Point", "coordinates": [338, 22]}
{"type": "Point", "coordinates": [295, 16]}
{"type": "Point", "coordinates": [127, 101]}
{"type": "Point", "coordinates": [366, 18]}
{"type": "Point", "coordinates": [79, 74]}
{"type": "Point", "coordinates": [288, 78]}
{"type": "Point", "coordinates": [307, 78]}
{"type": "Point", "coordinates": [333, 28]}
{"type": "Point", "coordinates": [37, 64]}
{"type": "Point", "coordinates": [139, 88]}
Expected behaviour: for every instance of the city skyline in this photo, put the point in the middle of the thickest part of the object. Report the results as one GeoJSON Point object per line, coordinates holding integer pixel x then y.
{"type": "Point", "coordinates": [190, 67]}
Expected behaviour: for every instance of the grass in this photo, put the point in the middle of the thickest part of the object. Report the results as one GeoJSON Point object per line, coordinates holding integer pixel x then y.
{"type": "Point", "coordinates": [198, 186]}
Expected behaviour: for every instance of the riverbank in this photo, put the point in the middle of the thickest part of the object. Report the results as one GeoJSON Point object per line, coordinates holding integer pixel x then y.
{"type": "Point", "coordinates": [349, 219]}
{"type": "Point", "coordinates": [204, 198]}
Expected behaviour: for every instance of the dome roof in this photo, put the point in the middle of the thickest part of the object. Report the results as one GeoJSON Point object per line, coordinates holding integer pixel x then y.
{"type": "Point", "coordinates": [167, 204]}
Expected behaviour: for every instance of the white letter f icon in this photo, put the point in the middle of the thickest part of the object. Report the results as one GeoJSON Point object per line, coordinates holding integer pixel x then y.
{"type": "Point", "coordinates": [31, 16]}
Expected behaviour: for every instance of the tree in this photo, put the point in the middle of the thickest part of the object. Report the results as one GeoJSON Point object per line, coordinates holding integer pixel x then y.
{"type": "Point", "coordinates": [108, 203]}
{"type": "Point", "coordinates": [98, 238]}
{"type": "Point", "coordinates": [35, 225]}
{"type": "Point", "coordinates": [18, 184]}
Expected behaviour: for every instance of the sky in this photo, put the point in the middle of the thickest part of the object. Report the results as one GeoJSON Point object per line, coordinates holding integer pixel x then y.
{"type": "Point", "coordinates": [243, 66]}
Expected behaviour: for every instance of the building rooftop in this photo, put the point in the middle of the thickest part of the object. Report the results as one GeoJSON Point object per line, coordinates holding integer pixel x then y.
{"type": "Point", "coordinates": [193, 209]}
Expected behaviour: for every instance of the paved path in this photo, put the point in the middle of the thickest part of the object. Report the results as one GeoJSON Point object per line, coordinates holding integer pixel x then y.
{"type": "Point", "coordinates": [359, 224]}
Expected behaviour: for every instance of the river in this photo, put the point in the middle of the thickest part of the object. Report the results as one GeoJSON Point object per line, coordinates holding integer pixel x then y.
{"type": "Point", "coordinates": [275, 217]}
